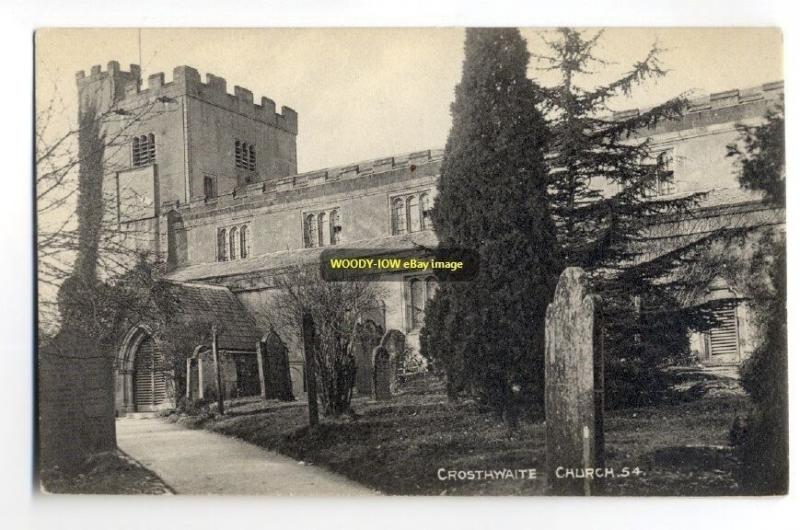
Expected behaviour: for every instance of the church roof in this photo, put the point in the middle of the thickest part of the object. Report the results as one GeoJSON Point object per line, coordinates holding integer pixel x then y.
{"type": "Point", "coordinates": [197, 302]}
{"type": "Point", "coordinates": [300, 256]}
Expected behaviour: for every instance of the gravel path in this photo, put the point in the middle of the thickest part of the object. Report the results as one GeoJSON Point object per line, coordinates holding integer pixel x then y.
{"type": "Point", "coordinates": [197, 462]}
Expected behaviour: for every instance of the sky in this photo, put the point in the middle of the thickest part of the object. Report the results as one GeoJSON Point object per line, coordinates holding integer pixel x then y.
{"type": "Point", "coordinates": [372, 92]}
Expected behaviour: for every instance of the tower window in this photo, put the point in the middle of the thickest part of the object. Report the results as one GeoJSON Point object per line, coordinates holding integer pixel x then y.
{"type": "Point", "coordinates": [209, 189]}
{"type": "Point", "coordinates": [143, 150]}
{"type": "Point", "coordinates": [245, 155]}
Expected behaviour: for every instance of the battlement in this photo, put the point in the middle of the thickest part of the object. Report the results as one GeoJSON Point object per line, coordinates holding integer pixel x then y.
{"type": "Point", "coordinates": [720, 100]}
{"type": "Point", "coordinates": [310, 179]}
{"type": "Point", "coordinates": [186, 81]}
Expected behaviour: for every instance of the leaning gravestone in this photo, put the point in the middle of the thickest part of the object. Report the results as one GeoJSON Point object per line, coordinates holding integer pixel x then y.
{"type": "Point", "coordinates": [395, 343]}
{"type": "Point", "coordinates": [573, 387]}
{"type": "Point", "coordinates": [367, 337]}
{"type": "Point", "coordinates": [382, 374]}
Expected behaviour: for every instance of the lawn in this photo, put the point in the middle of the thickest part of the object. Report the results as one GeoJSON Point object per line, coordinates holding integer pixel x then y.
{"type": "Point", "coordinates": [405, 446]}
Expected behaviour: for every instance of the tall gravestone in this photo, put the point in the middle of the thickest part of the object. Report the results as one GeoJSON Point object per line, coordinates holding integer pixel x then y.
{"type": "Point", "coordinates": [367, 337]}
{"type": "Point", "coordinates": [382, 373]}
{"type": "Point", "coordinates": [574, 387]}
{"type": "Point", "coordinates": [277, 380]}
{"type": "Point", "coordinates": [395, 343]}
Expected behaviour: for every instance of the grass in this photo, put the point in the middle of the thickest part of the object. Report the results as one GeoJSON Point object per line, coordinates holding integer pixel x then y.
{"type": "Point", "coordinates": [112, 473]}
{"type": "Point", "coordinates": [398, 447]}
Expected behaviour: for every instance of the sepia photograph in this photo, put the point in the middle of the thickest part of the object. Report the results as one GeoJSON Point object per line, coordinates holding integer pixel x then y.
{"type": "Point", "coordinates": [410, 261]}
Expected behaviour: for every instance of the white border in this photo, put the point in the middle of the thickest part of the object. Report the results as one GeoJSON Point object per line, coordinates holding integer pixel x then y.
{"type": "Point", "coordinates": [20, 18]}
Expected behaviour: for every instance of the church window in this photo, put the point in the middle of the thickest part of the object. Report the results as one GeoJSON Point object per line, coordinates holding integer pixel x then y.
{"type": "Point", "coordinates": [244, 242]}
{"type": "Point", "coordinates": [222, 244]}
{"type": "Point", "coordinates": [411, 213]}
{"type": "Point", "coordinates": [245, 155]}
{"type": "Point", "coordinates": [144, 150]}
{"type": "Point", "coordinates": [419, 291]}
{"type": "Point", "coordinates": [412, 210]}
{"type": "Point", "coordinates": [234, 243]}
{"type": "Point", "coordinates": [336, 227]}
{"type": "Point", "coordinates": [310, 229]}
{"type": "Point", "coordinates": [251, 160]}
{"type": "Point", "coordinates": [322, 228]}
{"type": "Point", "coordinates": [398, 217]}
{"type": "Point", "coordinates": [663, 181]}
{"type": "Point", "coordinates": [209, 190]}
{"type": "Point", "coordinates": [425, 205]}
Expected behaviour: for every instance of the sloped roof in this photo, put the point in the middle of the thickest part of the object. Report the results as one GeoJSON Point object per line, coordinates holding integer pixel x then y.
{"type": "Point", "coordinates": [199, 302]}
{"type": "Point", "coordinates": [299, 256]}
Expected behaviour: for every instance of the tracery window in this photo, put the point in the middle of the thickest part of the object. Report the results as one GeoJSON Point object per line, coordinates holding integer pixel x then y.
{"type": "Point", "coordinates": [222, 245]}
{"type": "Point", "coordinates": [233, 242]}
{"type": "Point", "coordinates": [322, 228]}
{"type": "Point", "coordinates": [419, 292]}
{"type": "Point", "coordinates": [411, 213]}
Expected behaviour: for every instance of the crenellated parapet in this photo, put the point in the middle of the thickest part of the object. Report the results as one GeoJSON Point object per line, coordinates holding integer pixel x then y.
{"type": "Point", "coordinates": [416, 163]}
{"type": "Point", "coordinates": [186, 81]}
{"type": "Point", "coordinates": [768, 92]}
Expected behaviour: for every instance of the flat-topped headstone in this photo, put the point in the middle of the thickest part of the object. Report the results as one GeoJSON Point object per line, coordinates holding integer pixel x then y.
{"type": "Point", "coordinates": [573, 387]}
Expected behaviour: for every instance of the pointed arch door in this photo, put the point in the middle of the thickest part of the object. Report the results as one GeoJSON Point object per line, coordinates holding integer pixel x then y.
{"type": "Point", "coordinates": [150, 382]}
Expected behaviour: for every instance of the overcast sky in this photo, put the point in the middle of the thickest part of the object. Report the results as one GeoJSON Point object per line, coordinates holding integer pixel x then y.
{"type": "Point", "coordinates": [369, 93]}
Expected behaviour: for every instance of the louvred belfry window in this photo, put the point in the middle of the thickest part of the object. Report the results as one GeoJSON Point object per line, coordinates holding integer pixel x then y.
{"type": "Point", "coordinates": [724, 338]}
{"type": "Point", "coordinates": [245, 155]}
{"type": "Point", "coordinates": [143, 150]}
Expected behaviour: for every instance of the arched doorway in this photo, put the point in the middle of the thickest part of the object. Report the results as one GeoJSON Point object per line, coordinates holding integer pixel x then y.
{"type": "Point", "coordinates": [149, 377]}
{"type": "Point", "coordinates": [143, 383]}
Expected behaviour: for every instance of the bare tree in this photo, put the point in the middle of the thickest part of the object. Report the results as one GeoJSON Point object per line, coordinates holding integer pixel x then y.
{"type": "Point", "coordinates": [77, 226]}
{"type": "Point", "coordinates": [336, 307]}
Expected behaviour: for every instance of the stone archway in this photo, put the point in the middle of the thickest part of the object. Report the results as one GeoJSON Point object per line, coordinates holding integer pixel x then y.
{"type": "Point", "coordinates": [141, 381]}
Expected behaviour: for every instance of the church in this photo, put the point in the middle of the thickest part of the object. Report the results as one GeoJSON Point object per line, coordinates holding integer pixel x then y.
{"type": "Point", "coordinates": [208, 181]}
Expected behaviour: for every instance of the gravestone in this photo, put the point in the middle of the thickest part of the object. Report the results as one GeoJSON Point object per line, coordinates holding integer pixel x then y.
{"type": "Point", "coordinates": [395, 343]}
{"type": "Point", "coordinates": [277, 380]}
{"type": "Point", "coordinates": [367, 337]}
{"type": "Point", "coordinates": [574, 387]}
{"type": "Point", "coordinates": [382, 373]}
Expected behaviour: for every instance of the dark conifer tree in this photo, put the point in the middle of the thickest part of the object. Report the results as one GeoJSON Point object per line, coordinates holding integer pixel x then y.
{"type": "Point", "coordinates": [761, 157]}
{"type": "Point", "coordinates": [607, 187]}
{"type": "Point", "coordinates": [487, 335]}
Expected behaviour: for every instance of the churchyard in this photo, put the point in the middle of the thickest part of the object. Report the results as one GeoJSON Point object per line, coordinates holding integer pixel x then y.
{"type": "Point", "coordinates": [405, 445]}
